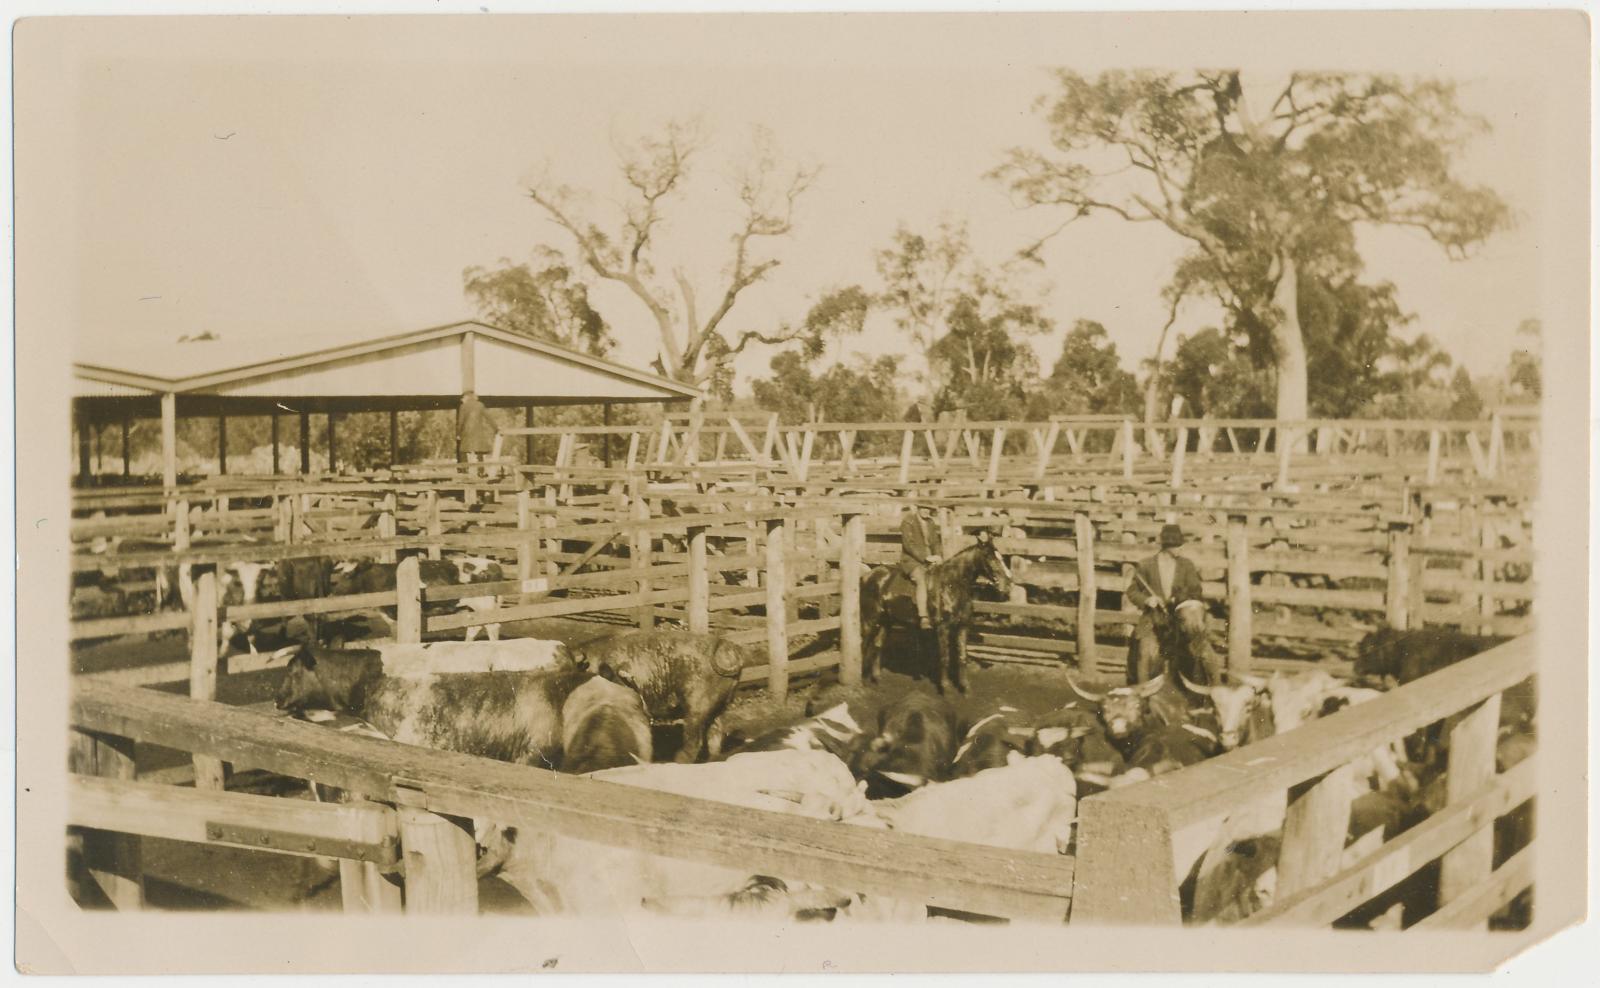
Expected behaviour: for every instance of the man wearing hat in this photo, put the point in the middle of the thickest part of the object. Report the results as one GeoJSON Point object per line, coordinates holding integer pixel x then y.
{"type": "Point", "coordinates": [475, 430]}
{"type": "Point", "coordinates": [920, 539]}
{"type": "Point", "coordinates": [1166, 588]}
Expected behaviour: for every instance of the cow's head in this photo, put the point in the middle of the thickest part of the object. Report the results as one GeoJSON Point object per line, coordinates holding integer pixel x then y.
{"type": "Point", "coordinates": [1297, 699]}
{"type": "Point", "coordinates": [1235, 705]}
{"type": "Point", "coordinates": [1122, 708]}
{"type": "Point", "coordinates": [477, 569]}
{"type": "Point", "coordinates": [301, 688]}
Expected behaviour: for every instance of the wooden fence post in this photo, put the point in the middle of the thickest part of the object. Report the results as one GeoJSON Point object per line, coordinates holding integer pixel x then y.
{"type": "Point", "coordinates": [362, 886]}
{"type": "Point", "coordinates": [1434, 439]}
{"type": "Point", "coordinates": [1179, 451]}
{"type": "Point", "coordinates": [1083, 529]}
{"type": "Point", "coordinates": [1397, 595]}
{"type": "Point", "coordinates": [850, 551]}
{"type": "Point", "coordinates": [640, 553]}
{"type": "Point", "coordinates": [441, 863]}
{"type": "Point", "coordinates": [907, 443]}
{"type": "Point", "coordinates": [777, 612]}
{"type": "Point", "coordinates": [203, 664]}
{"type": "Point", "coordinates": [1240, 616]}
{"type": "Point", "coordinates": [283, 519]}
{"type": "Point", "coordinates": [1471, 766]}
{"type": "Point", "coordinates": [1483, 573]}
{"type": "Point", "coordinates": [388, 527]}
{"type": "Point", "coordinates": [997, 446]}
{"type": "Point", "coordinates": [1313, 833]}
{"type": "Point", "coordinates": [435, 526]}
{"type": "Point", "coordinates": [1497, 445]}
{"type": "Point", "coordinates": [180, 524]}
{"type": "Point", "coordinates": [1285, 442]}
{"type": "Point", "coordinates": [699, 583]}
{"type": "Point", "coordinates": [408, 601]}
{"type": "Point", "coordinates": [1127, 449]}
{"type": "Point", "coordinates": [112, 861]}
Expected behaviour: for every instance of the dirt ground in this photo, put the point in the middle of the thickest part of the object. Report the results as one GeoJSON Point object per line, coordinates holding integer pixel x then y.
{"type": "Point", "coordinates": [187, 876]}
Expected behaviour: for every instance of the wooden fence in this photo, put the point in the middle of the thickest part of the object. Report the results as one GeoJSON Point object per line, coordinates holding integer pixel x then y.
{"type": "Point", "coordinates": [416, 825]}
{"type": "Point", "coordinates": [1136, 845]}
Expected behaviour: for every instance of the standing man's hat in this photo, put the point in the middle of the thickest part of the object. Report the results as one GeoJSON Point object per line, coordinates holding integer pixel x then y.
{"type": "Point", "coordinates": [1171, 536]}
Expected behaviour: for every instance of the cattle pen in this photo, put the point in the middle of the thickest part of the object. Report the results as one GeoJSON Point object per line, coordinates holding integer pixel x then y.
{"type": "Point", "coordinates": [1306, 536]}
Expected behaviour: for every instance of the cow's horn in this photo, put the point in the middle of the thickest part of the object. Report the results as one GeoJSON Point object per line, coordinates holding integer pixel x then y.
{"type": "Point", "coordinates": [1091, 697]}
{"type": "Point", "coordinates": [1194, 687]}
{"type": "Point", "coordinates": [1153, 686]}
{"type": "Point", "coordinates": [287, 652]}
{"type": "Point", "coordinates": [905, 778]}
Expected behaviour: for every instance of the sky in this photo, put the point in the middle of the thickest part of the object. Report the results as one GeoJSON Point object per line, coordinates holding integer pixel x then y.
{"type": "Point", "coordinates": [261, 176]}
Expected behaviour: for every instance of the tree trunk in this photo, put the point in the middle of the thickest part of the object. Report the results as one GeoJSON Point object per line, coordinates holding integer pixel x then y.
{"type": "Point", "coordinates": [1291, 349]}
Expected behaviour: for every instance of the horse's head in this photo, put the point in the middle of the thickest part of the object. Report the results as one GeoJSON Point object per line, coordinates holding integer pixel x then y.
{"type": "Point", "coordinates": [992, 566]}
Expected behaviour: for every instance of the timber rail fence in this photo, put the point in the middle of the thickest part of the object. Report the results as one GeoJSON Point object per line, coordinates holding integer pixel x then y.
{"type": "Point", "coordinates": [1135, 845]}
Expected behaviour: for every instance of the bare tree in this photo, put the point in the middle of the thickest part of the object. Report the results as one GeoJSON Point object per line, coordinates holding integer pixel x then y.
{"type": "Point", "coordinates": [656, 169]}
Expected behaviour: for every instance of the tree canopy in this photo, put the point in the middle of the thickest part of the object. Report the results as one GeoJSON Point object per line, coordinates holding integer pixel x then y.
{"type": "Point", "coordinates": [550, 303]}
{"type": "Point", "coordinates": [1266, 185]}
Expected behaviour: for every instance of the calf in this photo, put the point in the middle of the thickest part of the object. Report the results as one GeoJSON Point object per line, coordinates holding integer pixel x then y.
{"type": "Point", "coordinates": [678, 674]}
{"type": "Point", "coordinates": [308, 578]}
{"type": "Point", "coordinates": [1168, 748]}
{"type": "Point", "coordinates": [603, 725]}
{"type": "Point", "coordinates": [915, 745]}
{"type": "Point", "coordinates": [1078, 739]}
{"type": "Point", "coordinates": [240, 586]}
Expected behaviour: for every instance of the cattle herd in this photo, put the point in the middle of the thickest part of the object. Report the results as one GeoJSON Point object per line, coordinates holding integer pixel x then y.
{"type": "Point", "coordinates": [863, 756]}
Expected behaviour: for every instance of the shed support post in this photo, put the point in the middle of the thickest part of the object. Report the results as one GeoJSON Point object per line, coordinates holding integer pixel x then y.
{"type": "Point", "coordinates": [84, 426]}
{"type": "Point", "coordinates": [125, 466]}
{"type": "Point", "coordinates": [305, 442]}
{"type": "Point", "coordinates": [222, 445]}
{"type": "Point", "coordinates": [605, 413]}
{"type": "Point", "coordinates": [333, 443]}
{"type": "Point", "coordinates": [527, 441]}
{"type": "Point", "coordinates": [169, 440]}
{"type": "Point", "coordinates": [394, 436]}
{"type": "Point", "coordinates": [275, 470]}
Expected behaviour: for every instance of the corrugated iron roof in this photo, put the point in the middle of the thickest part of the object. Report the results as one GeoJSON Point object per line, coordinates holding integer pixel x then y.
{"type": "Point", "coordinates": [195, 364]}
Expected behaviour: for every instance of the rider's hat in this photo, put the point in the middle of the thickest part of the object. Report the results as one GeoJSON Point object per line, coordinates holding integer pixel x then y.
{"type": "Point", "coordinates": [1171, 536]}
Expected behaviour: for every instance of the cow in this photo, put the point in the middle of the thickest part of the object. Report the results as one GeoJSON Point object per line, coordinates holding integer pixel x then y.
{"type": "Point", "coordinates": [306, 578]}
{"type": "Point", "coordinates": [989, 742]}
{"type": "Point", "coordinates": [834, 730]}
{"type": "Point", "coordinates": [862, 702]}
{"type": "Point", "coordinates": [1167, 748]}
{"type": "Point", "coordinates": [915, 745]}
{"type": "Point", "coordinates": [1077, 737]}
{"type": "Point", "coordinates": [562, 874]}
{"type": "Point", "coordinates": [479, 569]}
{"type": "Point", "coordinates": [1244, 710]}
{"type": "Point", "coordinates": [1297, 698]}
{"type": "Point", "coordinates": [240, 585]}
{"type": "Point", "coordinates": [603, 725]}
{"type": "Point", "coordinates": [677, 674]}
{"type": "Point", "coordinates": [1406, 656]}
{"type": "Point", "coordinates": [761, 898]}
{"type": "Point", "coordinates": [509, 716]}
{"type": "Point", "coordinates": [1028, 804]}
{"type": "Point", "coordinates": [1122, 707]}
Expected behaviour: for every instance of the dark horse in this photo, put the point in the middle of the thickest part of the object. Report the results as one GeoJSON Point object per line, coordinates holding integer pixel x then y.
{"type": "Point", "coordinates": [886, 600]}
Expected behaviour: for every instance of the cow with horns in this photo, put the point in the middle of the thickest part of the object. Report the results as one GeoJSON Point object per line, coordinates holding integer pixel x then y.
{"type": "Point", "coordinates": [1122, 708]}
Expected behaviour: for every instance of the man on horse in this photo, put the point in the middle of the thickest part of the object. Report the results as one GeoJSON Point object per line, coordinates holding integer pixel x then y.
{"type": "Point", "coordinates": [920, 539]}
{"type": "Point", "coordinates": [1166, 589]}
